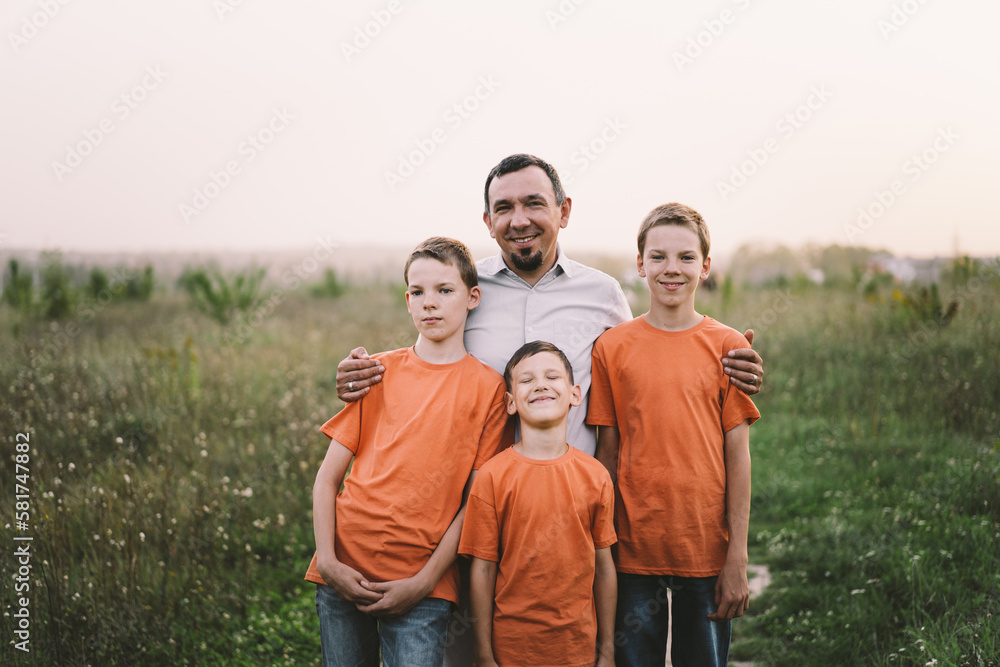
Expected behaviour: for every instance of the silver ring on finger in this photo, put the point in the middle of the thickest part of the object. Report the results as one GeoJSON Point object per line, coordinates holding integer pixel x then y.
{"type": "Point", "coordinates": [753, 379]}
{"type": "Point", "coordinates": [350, 386]}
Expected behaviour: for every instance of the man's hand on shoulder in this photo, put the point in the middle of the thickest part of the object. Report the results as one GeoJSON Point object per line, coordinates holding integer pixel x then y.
{"type": "Point", "coordinates": [744, 367]}
{"type": "Point", "coordinates": [356, 374]}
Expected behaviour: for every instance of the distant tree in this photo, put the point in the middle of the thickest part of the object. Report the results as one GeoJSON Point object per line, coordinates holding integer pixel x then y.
{"type": "Point", "coordinates": [98, 282]}
{"type": "Point", "coordinates": [139, 287]}
{"type": "Point", "coordinates": [330, 287]}
{"type": "Point", "coordinates": [58, 296]}
{"type": "Point", "coordinates": [18, 287]}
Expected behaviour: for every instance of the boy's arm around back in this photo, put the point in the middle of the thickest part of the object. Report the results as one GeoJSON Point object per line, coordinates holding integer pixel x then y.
{"type": "Point", "coordinates": [601, 413]}
{"type": "Point", "coordinates": [347, 582]}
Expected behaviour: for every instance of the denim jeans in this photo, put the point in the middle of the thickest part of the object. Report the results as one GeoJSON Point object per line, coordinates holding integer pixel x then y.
{"type": "Point", "coordinates": [351, 638]}
{"type": "Point", "coordinates": [643, 616]}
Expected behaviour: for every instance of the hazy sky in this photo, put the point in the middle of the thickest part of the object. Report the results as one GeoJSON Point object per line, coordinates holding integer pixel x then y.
{"type": "Point", "coordinates": [229, 124]}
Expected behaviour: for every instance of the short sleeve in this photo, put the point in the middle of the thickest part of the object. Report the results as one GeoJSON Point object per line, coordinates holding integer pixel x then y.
{"type": "Point", "coordinates": [481, 528]}
{"type": "Point", "coordinates": [601, 409]}
{"type": "Point", "coordinates": [603, 528]}
{"type": "Point", "coordinates": [345, 426]}
{"type": "Point", "coordinates": [495, 436]}
{"type": "Point", "coordinates": [737, 407]}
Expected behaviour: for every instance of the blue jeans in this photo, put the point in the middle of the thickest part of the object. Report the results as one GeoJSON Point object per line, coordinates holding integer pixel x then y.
{"type": "Point", "coordinates": [352, 638]}
{"type": "Point", "coordinates": [643, 616]}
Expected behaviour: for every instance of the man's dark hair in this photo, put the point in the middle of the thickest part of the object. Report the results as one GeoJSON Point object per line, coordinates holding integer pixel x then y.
{"type": "Point", "coordinates": [529, 350]}
{"type": "Point", "coordinates": [520, 161]}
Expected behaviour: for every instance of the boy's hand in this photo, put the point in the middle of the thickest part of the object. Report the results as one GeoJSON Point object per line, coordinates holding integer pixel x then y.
{"type": "Point", "coordinates": [605, 661]}
{"type": "Point", "coordinates": [396, 597]}
{"type": "Point", "coordinates": [356, 373]}
{"type": "Point", "coordinates": [732, 593]}
{"type": "Point", "coordinates": [348, 583]}
{"type": "Point", "coordinates": [744, 367]}
{"type": "Point", "coordinates": [488, 661]}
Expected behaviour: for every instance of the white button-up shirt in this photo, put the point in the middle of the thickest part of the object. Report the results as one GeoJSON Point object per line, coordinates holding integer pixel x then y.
{"type": "Point", "coordinates": [570, 307]}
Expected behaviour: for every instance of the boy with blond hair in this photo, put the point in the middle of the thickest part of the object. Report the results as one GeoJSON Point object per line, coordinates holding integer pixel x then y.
{"type": "Point", "coordinates": [539, 529]}
{"type": "Point", "coordinates": [386, 543]}
{"type": "Point", "coordinates": [675, 436]}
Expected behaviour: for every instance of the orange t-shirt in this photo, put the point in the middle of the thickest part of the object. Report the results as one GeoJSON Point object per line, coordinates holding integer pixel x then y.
{"type": "Point", "coordinates": [416, 437]}
{"type": "Point", "coordinates": [542, 522]}
{"type": "Point", "coordinates": [672, 403]}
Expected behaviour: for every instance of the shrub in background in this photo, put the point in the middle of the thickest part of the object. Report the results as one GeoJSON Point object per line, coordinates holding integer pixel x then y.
{"type": "Point", "coordinates": [331, 286]}
{"type": "Point", "coordinates": [221, 298]}
{"type": "Point", "coordinates": [58, 296]}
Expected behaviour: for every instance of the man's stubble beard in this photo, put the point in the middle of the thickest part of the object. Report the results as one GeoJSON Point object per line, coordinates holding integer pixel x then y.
{"type": "Point", "coordinates": [531, 262]}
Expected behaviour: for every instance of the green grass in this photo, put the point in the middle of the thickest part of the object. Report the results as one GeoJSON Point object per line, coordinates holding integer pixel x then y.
{"type": "Point", "coordinates": [172, 460]}
{"type": "Point", "coordinates": [877, 483]}
{"type": "Point", "coordinates": [171, 474]}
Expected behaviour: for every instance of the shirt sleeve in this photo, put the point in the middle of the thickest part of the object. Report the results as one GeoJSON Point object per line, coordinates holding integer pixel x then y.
{"type": "Point", "coordinates": [603, 529]}
{"type": "Point", "coordinates": [495, 436]}
{"type": "Point", "coordinates": [481, 528]}
{"type": "Point", "coordinates": [601, 408]}
{"type": "Point", "coordinates": [345, 426]}
{"type": "Point", "coordinates": [737, 407]}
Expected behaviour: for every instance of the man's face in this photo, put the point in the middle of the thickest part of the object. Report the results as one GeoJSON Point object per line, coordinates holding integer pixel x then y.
{"type": "Point", "coordinates": [525, 220]}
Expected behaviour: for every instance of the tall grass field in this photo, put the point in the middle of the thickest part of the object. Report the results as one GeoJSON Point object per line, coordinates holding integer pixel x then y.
{"type": "Point", "coordinates": [170, 457]}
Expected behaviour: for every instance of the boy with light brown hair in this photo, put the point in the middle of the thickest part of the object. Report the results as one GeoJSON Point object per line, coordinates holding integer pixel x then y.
{"type": "Point", "coordinates": [675, 436]}
{"type": "Point", "coordinates": [386, 543]}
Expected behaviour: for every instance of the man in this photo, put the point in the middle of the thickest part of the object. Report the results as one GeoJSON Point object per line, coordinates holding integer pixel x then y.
{"type": "Point", "coordinates": [532, 291]}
